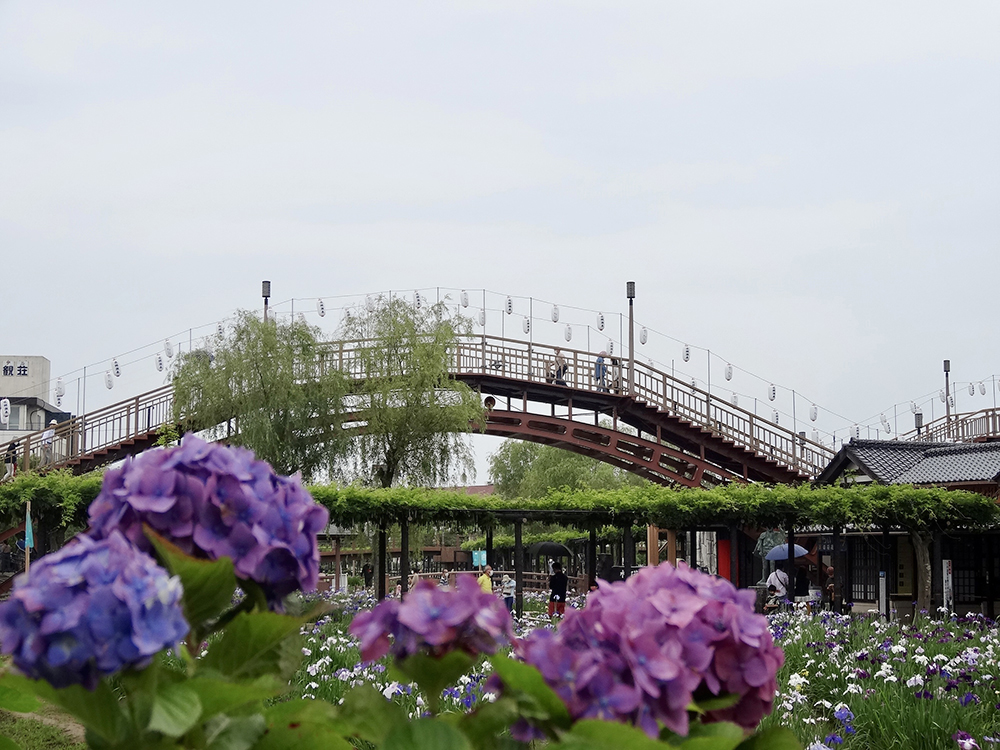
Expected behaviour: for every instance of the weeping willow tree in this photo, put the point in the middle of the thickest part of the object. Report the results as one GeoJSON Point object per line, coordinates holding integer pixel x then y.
{"type": "Point", "coordinates": [266, 386]}
{"type": "Point", "coordinates": [413, 419]}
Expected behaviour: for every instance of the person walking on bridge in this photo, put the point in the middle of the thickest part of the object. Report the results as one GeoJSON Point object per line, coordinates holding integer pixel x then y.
{"type": "Point", "coordinates": [561, 368]}
{"type": "Point", "coordinates": [601, 373]}
{"type": "Point", "coordinates": [10, 461]}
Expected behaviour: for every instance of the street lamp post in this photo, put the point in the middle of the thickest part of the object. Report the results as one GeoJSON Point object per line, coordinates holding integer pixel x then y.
{"type": "Point", "coordinates": [265, 292]}
{"type": "Point", "coordinates": [947, 398]}
{"type": "Point", "coordinates": [630, 293]}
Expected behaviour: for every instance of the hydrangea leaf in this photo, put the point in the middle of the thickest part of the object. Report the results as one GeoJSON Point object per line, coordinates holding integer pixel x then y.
{"type": "Point", "coordinates": [776, 738]}
{"type": "Point", "coordinates": [208, 584]}
{"type": "Point", "coordinates": [98, 710]}
{"type": "Point", "coordinates": [525, 679]}
{"type": "Point", "coordinates": [255, 644]}
{"type": "Point", "coordinates": [369, 716]}
{"type": "Point", "coordinates": [720, 735]}
{"type": "Point", "coordinates": [16, 699]}
{"type": "Point", "coordinates": [234, 733]}
{"type": "Point", "coordinates": [486, 725]}
{"type": "Point", "coordinates": [432, 674]}
{"type": "Point", "coordinates": [218, 695]}
{"type": "Point", "coordinates": [426, 734]}
{"type": "Point", "coordinates": [715, 704]}
{"type": "Point", "coordinates": [303, 725]}
{"type": "Point", "coordinates": [592, 734]}
{"type": "Point", "coordinates": [176, 709]}
{"type": "Point", "coordinates": [8, 744]}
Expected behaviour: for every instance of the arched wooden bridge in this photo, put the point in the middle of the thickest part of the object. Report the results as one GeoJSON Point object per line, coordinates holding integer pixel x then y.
{"type": "Point", "coordinates": [665, 429]}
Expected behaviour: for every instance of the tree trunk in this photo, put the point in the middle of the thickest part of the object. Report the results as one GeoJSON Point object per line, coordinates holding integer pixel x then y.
{"type": "Point", "coordinates": [922, 551]}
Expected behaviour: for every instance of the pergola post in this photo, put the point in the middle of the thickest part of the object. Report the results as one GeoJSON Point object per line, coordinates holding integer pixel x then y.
{"type": "Point", "coordinates": [489, 546]}
{"type": "Point", "coordinates": [628, 549]}
{"type": "Point", "coordinates": [838, 572]}
{"type": "Point", "coordinates": [592, 556]}
{"type": "Point", "coordinates": [734, 555]}
{"type": "Point", "coordinates": [672, 547]}
{"type": "Point", "coordinates": [382, 571]}
{"type": "Point", "coordinates": [790, 560]}
{"type": "Point", "coordinates": [692, 549]}
{"type": "Point", "coordinates": [336, 563]}
{"type": "Point", "coordinates": [937, 575]}
{"type": "Point", "coordinates": [518, 568]}
{"type": "Point", "coordinates": [404, 555]}
{"type": "Point", "coordinates": [652, 546]}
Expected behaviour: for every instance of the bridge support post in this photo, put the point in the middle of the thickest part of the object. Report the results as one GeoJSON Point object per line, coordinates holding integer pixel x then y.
{"type": "Point", "coordinates": [404, 555]}
{"type": "Point", "coordinates": [628, 549]}
{"type": "Point", "coordinates": [518, 567]}
{"type": "Point", "coordinates": [652, 546]}
{"type": "Point", "coordinates": [381, 573]}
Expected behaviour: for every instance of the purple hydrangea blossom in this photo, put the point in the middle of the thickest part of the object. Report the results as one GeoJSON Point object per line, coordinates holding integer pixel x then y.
{"type": "Point", "coordinates": [644, 648]}
{"type": "Point", "coordinates": [89, 610]}
{"type": "Point", "coordinates": [215, 501]}
{"type": "Point", "coordinates": [435, 620]}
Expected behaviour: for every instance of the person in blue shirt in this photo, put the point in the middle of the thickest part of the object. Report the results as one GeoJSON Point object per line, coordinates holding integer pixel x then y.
{"type": "Point", "coordinates": [601, 373]}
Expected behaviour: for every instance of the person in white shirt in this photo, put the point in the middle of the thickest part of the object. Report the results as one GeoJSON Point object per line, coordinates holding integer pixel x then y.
{"type": "Point", "coordinates": [47, 437]}
{"type": "Point", "coordinates": [779, 579]}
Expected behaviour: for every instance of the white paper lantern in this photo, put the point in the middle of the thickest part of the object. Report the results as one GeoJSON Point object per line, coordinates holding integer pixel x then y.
{"type": "Point", "coordinates": [5, 411]}
{"type": "Point", "coordinates": [982, 388]}
{"type": "Point", "coordinates": [482, 317]}
{"type": "Point", "coordinates": [464, 297]}
{"type": "Point", "coordinates": [694, 382]}
{"type": "Point", "coordinates": [321, 308]}
{"type": "Point", "coordinates": [729, 372]}
{"type": "Point", "coordinates": [775, 416]}
{"type": "Point", "coordinates": [735, 399]}
{"type": "Point", "coordinates": [772, 392]}
{"type": "Point", "coordinates": [568, 333]}
{"type": "Point", "coordinates": [600, 321]}
{"type": "Point", "coordinates": [913, 407]}
{"type": "Point", "coordinates": [611, 346]}
{"type": "Point", "coordinates": [509, 306]}
{"type": "Point", "coordinates": [555, 313]}
{"type": "Point", "coordinates": [158, 360]}
{"type": "Point", "coordinates": [168, 348]}
{"type": "Point", "coordinates": [856, 432]}
{"type": "Point", "coordinates": [116, 368]}
{"type": "Point", "coordinates": [813, 412]}
{"type": "Point", "coordinates": [220, 330]}
{"type": "Point", "coordinates": [418, 301]}
{"type": "Point", "coordinates": [643, 335]}
{"type": "Point", "coordinates": [887, 428]}
{"type": "Point", "coordinates": [369, 303]}
{"type": "Point", "coordinates": [815, 436]}
{"type": "Point", "coordinates": [951, 401]}
{"type": "Point", "coordinates": [526, 325]}
{"type": "Point", "coordinates": [972, 389]}
{"type": "Point", "coordinates": [942, 396]}
{"type": "Point", "coordinates": [109, 380]}
{"type": "Point", "coordinates": [686, 353]}
{"type": "Point", "coordinates": [60, 388]}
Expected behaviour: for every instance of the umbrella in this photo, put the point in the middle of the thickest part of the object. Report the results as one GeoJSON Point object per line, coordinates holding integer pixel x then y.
{"type": "Point", "coordinates": [550, 549]}
{"type": "Point", "coordinates": [781, 552]}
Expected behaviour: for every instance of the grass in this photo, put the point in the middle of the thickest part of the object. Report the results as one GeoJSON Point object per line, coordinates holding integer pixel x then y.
{"type": "Point", "coordinates": [30, 733]}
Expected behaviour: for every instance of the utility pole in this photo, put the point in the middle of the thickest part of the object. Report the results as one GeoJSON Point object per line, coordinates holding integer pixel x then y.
{"type": "Point", "coordinates": [265, 292]}
{"type": "Point", "coordinates": [630, 293]}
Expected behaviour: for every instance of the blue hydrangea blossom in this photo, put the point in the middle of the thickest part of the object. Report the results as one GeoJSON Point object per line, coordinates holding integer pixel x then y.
{"type": "Point", "coordinates": [89, 610]}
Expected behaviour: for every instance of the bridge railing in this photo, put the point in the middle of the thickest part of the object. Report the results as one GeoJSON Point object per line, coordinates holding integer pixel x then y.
{"type": "Point", "coordinates": [534, 362]}
{"type": "Point", "coordinates": [963, 428]}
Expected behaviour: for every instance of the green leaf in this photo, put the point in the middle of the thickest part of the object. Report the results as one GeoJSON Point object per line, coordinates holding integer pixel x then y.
{"type": "Point", "coordinates": [485, 726]}
{"type": "Point", "coordinates": [234, 733]}
{"type": "Point", "coordinates": [208, 585]}
{"type": "Point", "coordinates": [218, 695]}
{"type": "Point", "coordinates": [368, 715]}
{"type": "Point", "coordinates": [715, 704]}
{"type": "Point", "coordinates": [8, 744]}
{"type": "Point", "coordinates": [98, 710]}
{"type": "Point", "coordinates": [255, 644]}
{"type": "Point", "coordinates": [426, 734]}
{"type": "Point", "coordinates": [176, 709]}
{"type": "Point", "coordinates": [719, 735]}
{"type": "Point", "coordinates": [303, 725]}
{"type": "Point", "coordinates": [608, 735]}
{"type": "Point", "coordinates": [524, 678]}
{"type": "Point", "coordinates": [776, 738]}
{"type": "Point", "coordinates": [16, 699]}
{"type": "Point", "coordinates": [434, 675]}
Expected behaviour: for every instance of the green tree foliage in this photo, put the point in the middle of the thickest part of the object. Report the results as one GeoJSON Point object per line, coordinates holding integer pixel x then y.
{"type": "Point", "coordinates": [266, 388]}
{"type": "Point", "coordinates": [519, 469]}
{"type": "Point", "coordinates": [414, 417]}
{"type": "Point", "coordinates": [59, 504]}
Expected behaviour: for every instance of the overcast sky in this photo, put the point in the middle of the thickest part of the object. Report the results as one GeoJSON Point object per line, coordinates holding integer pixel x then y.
{"type": "Point", "coordinates": [809, 190]}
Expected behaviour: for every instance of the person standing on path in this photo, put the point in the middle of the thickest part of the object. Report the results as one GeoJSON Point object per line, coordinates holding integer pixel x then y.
{"type": "Point", "coordinates": [508, 587]}
{"type": "Point", "coordinates": [486, 580]}
{"type": "Point", "coordinates": [557, 585]}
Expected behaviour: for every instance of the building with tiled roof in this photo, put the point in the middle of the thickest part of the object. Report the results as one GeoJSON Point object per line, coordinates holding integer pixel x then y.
{"type": "Point", "coordinates": [966, 466]}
